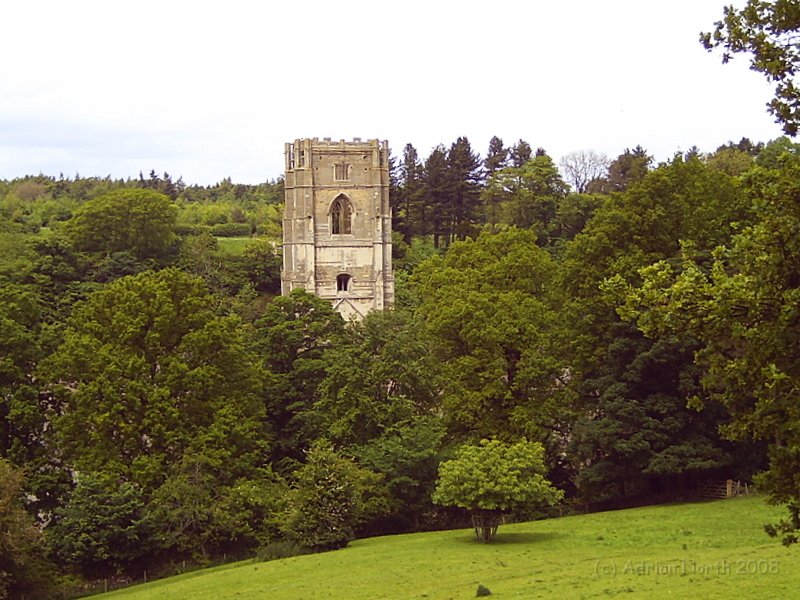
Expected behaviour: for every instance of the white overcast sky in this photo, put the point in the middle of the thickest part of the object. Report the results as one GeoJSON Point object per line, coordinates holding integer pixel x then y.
{"type": "Point", "coordinates": [207, 90]}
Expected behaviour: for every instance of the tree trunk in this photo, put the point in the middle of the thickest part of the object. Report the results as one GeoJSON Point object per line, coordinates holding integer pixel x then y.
{"type": "Point", "coordinates": [486, 523]}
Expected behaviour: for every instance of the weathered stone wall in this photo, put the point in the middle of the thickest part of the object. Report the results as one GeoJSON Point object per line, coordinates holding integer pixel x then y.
{"type": "Point", "coordinates": [316, 256]}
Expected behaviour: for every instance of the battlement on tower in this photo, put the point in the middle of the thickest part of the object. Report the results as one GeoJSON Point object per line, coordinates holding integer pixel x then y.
{"type": "Point", "coordinates": [300, 153]}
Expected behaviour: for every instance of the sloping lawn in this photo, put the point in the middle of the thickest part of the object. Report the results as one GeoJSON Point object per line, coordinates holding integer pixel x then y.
{"type": "Point", "coordinates": [233, 246]}
{"type": "Point", "coordinates": [697, 550]}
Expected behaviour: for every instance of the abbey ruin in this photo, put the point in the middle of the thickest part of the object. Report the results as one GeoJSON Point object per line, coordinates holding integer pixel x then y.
{"type": "Point", "coordinates": [337, 226]}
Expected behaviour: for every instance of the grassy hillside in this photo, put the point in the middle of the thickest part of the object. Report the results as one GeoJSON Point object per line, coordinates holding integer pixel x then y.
{"type": "Point", "coordinates": [698, 550]}
{"type": "Point", "coordinates": [233, 246]}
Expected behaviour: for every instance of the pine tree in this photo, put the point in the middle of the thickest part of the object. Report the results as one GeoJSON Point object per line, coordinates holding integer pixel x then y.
{"type": "Point", "coordinates": [466, 180]}
{"type": "Point", "coordinates": [496, 157]}
{"type": "Point", "coordinates": [520, 153]}
{"type": "Point", "coordinates": [407, 202]}
{"type": "Point", "coordinates": [434, 195]}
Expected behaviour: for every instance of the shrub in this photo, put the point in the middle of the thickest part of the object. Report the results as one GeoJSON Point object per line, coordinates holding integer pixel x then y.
{"type": "Point", "coordinates": [103, 527]}
{"type": "Point", "coordinates": [281, 549]}
{"type": "Point", "coordinates": [231, 229]}
{"type": "Point", "coordinates": [24, 571]}
{"type": "Point", "coordinates": [330, 498]}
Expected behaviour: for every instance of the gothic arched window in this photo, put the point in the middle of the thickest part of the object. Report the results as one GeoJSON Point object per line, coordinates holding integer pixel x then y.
{"type": "Point", "coordinates": [341, 216]}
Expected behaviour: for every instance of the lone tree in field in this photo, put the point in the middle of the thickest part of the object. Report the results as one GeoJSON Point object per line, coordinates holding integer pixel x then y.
{"type": "Point", "coordinates": [494, 478]}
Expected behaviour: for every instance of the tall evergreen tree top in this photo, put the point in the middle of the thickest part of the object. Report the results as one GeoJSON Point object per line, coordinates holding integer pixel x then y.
{"type": "Point", "coordinates": [520, 153]}
{"type": "Point", "coordinates": [496, 157]}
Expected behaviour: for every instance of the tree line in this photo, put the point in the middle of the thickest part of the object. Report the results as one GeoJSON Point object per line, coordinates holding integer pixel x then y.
{"type": "Point", "coordinates": [160, 404]}
{"type": "Point", "coordinates": [454, 193]}
{"type": "Point", "coordinates": [617, 328]}
{"type": "Point", "coordinates": [224, 209]}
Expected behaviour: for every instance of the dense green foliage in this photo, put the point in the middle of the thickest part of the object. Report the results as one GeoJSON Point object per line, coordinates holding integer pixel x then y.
{"type": "Point", "coordinates": [147, 374]}
{"type": "Point", "coordinates": [24, 570]}
{"type": "Point", "coordinates": [743, 310]}
{"type": "Point", "coordinates": [634, 433]}
{"type": "Point", "coordinates": [291, 337]}
{"type": "Point", "coordinates": [102, 528]}
{"type": "Point", "coordinates": [487, 308]}
{"type": "Point", "coordinates": [128, 220]}
{"type": "Point", "coordinates": [331, 496]}
{"type": "Point", "coordinates": [638, 323]}
{"type": "Point", "coordinates": [166, 405]}
{"type": "Point", "coordinates": [492, 478]}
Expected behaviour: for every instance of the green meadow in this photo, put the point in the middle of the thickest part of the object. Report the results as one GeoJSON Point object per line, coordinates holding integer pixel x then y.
{"type": "Point", "coordinates": [714, 549]}
{"type": "Point", "coordinates": [233, 246]}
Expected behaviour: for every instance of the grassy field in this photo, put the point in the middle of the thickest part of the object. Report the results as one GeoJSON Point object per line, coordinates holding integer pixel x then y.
{"type": "Point", "coordinates": [697, 550]}
{"type": "Point", "coordinates": [233, 246]}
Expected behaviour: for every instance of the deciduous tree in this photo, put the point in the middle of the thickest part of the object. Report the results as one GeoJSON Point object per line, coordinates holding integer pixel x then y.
{"type": "Point", "coordinates": [526, 196]}
{"type": "Point", "coordinates": [407, 455]}
{"type": "Point", "coordinates": [582, 167]}
{"type": "Point", "coordinates": [768, 32]}
{"type": "Point", "coordinates": [488, 309]}
{"type": "Point", "coordinates": [743, 308]}
{"type": "Point", "coordinates": [379, 374]}
{"type": "Point", "coordinates": [103, 529]}
{"type": "Point", "coordinates": [290, 339]}
{"type": "Point", "coordinates": [493, 478]}
{"type": "Point", "coordinates": [146, 368]}
{"type": "Point", "coordinates": [136, 220]}
{"type": "Point", "coordinates": [24, 569]}
{"type": "Point", "coordinates": [332, 495]}
{"type": "Point", "coordinates": [635, 429]}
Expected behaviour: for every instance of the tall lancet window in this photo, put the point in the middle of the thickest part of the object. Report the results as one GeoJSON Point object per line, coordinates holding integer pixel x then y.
{"type": "Point", "coordinates": [341, 214]}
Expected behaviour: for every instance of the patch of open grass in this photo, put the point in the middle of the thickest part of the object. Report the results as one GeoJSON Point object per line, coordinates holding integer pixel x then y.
{"type": "Point", "coordinates": [233, 246]}
{"type": "Point", "coordinates": [694, 550]}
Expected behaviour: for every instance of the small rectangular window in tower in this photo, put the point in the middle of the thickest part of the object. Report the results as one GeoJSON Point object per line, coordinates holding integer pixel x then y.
{"type": "Point", "coordinates": [343, 282]}
{"type": "Point", "coordinates": [341, 172]}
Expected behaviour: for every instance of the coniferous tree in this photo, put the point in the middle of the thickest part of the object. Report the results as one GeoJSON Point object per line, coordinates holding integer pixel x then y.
{"type": "Point", "coordinates": [628, 167]}
{"type": "Point", "coordinates": [408, 205]}
{"type": "Point", "coordinates": [395, 195]}
{"type": "Point", "coordinates": [520, 153]}
{"type": "Point", "coordinates": [466, 180]}
{"type": "Point", "coordinates": [496, 157]}
{"type": "Point", "coordinates": [434, 195]}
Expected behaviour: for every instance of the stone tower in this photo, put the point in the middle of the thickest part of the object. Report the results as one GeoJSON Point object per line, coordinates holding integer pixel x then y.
{"type": "Point", "coordinates": [337, 225]}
